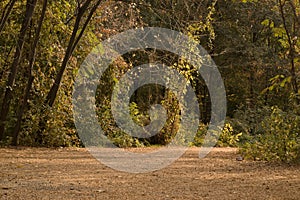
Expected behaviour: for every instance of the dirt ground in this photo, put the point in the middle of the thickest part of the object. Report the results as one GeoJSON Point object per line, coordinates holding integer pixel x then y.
{"type": "Point", "coordinates": [72, 173]}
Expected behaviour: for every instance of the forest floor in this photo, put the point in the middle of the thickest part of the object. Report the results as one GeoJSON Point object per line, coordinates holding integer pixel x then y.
{"type": "Point", "coordinates": [72, 173]}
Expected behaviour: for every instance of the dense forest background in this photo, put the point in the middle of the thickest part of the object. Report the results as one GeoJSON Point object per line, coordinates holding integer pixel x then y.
{"type": "Point", "coordinates": [255, 44]}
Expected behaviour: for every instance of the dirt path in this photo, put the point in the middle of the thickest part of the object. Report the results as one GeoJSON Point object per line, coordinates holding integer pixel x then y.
{"type": "Point", "coordinates": [35, 173]}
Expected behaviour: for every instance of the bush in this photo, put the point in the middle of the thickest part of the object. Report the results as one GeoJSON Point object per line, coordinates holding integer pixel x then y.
{"type": "Point", "coordinates": [280, 140]}
{"type": "Point", "coordinates": [228, 138]}
{"type": "Point", "coordinates": [199, 137]}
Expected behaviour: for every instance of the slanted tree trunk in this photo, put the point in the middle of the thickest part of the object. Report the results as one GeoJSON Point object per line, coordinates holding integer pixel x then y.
{"type": "Point", "coordinates": [31, 77]}
{"type": "Point", "coordinates": [7, 10]}
{"type": "Point", "coordinates": [74, 40]}
{"type": "Point", "coordinates": [30, 6]}
{"type": "Point", "coordinates": [71, 47]}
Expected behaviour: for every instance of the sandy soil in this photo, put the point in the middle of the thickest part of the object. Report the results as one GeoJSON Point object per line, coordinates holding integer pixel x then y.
{"type": "Point", "coordinates": [40, 173]}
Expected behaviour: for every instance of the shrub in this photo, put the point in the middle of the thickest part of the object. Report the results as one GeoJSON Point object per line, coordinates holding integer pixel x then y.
{"type": "Point", "coordinates": [280, 140]}
{"type": "Point", "coordinates": [199, 137]}
{"type": "Point", "coordinates": [228, 138]}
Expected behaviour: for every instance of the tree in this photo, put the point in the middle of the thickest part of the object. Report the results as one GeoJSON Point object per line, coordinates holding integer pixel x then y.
{"type": "Point", "coordinates": [30, 6]}
{"type": "Point", "coordinates": [17, 127]}
{"type": "Point", "coordinates": [75, 38]}
{"type": "Point", "coordinates": [291, 27]}
{"type": "Point", "coordinates": [77, 34]}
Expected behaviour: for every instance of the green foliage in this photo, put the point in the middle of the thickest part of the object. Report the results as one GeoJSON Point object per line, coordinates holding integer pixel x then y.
{"type": "Point", "coordinates": [278, 83]}
{"type": "Point", "coordinates": [114, 133]}
{"type": "Point", "coordinates": [255, 44]}
{"type": "Point", "coordinates": [248, 120]}
{"type": "Point", "coordinates": [280, 140]}
{"type": "Point", "coordinates": [138, 117]}
{"type": "Point", "coordinates": [228, 138]}
{"type": "Point", "coordinates": [197, 30]}
{"type": "Point", "coordinates": [199, 137]}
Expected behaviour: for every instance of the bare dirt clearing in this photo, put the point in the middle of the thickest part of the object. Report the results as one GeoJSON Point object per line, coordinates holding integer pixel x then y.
{"type": "Point", "coordinates": [40, 173]}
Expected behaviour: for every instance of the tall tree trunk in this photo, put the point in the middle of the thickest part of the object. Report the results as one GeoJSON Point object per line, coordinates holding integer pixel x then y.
{"type": "Point", "coordinates": [71, 47]}
{"type": "Point", "coordinates": [74, 40]}
{"type": "Point", "coordinates": [14, 67]}
{"type": "Point", "coordinates": [7, 10]}
{"type": "Point", "coordinates": [31, 77]}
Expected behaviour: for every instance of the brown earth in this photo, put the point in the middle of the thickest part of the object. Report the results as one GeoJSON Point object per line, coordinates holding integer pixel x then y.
{"type": "Point", "coordinates": [69, 173]}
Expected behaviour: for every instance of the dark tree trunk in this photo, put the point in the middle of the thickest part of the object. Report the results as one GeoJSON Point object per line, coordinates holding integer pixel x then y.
{"type": "Point", "coordinates": [15, 140]}
{"type": "Point", "coordinates": [31, 77]}
{"type": "Point", "coordinates": [71, 47]}
{"type": "Point", "coordinates": [14, 67]}
{"type": "Point", "coordinates": [74, 40]}
{"type": "Point", "coordinates": [7, 10]}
